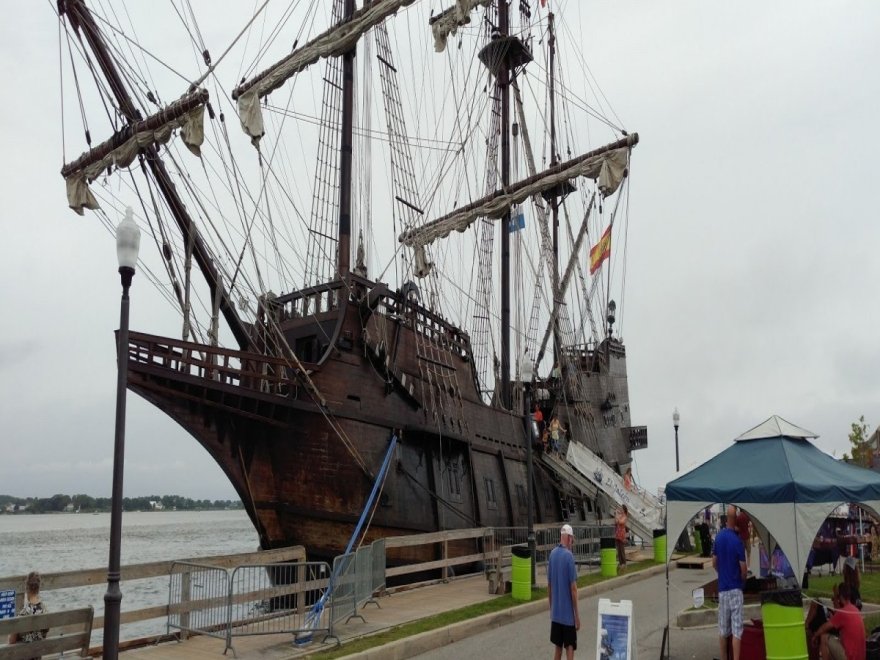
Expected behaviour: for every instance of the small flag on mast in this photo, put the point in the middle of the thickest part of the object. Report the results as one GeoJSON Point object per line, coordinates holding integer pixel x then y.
{"type": "Point", "coordinates": [600, 251]}
{"type": "Point", "coordinates": [517, 220]}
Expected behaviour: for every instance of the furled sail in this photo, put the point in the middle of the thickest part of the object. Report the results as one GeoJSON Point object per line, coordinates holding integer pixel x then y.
{"type": "Point", "coordinates": [187, 114]}
{"type": "Point", "coordinates": [606, 165]}
{"type": "Point", "coordinates": [333, 42]}
{"type": "Point", "coordinates": [447, 22]}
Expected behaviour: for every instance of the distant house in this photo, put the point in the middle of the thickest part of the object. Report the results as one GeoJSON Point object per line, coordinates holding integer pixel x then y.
{"type": "Point", "coordinates": [69, 508]}
{"type": "Point", "coordinates": [156, 506]}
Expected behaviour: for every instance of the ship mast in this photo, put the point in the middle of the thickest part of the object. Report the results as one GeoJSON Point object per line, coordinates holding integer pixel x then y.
{"type": "Point", "coordinates": [81, 20]}
{"type": "Point", "coordinates": [554, 200]}
{"type": "Point", "coordinates": [343, 256]}
{"type": "Point", "coordinates": [504, 88]}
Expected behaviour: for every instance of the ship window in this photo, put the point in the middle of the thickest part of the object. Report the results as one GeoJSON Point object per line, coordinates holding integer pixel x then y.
{"type": "Point", "coordinates": [491, 502]}
{"type": "Point", "coordinates": [384, 500]}
{"type": "Point", "coordinates": [306, 348]}
{"type": "Point", "coordinates": [453, 472]}
{"type": "Point", "coordinates": [521, 494]}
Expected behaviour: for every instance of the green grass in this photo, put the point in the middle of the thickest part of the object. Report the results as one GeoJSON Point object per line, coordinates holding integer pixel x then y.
{"type": "Point", "coordinates": [462, 614]}
{"type": "Point", "coordinates": [820, 586]}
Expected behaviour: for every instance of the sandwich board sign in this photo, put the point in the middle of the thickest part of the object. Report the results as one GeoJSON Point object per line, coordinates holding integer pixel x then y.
{"type": "Point", "coordinates": [7, 604]}
{"type": "Point", "coordinates": [614, 632]}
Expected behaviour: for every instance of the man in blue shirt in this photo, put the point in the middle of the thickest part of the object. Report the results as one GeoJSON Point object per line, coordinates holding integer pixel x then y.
{"type": "Point", "coordinates": [562, 593]}
{"type": "Point", "coordinates": [729, 560]}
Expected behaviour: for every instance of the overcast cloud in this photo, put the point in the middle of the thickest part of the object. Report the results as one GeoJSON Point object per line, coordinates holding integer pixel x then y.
{"type": "Point", "coordinates": [751, 279]}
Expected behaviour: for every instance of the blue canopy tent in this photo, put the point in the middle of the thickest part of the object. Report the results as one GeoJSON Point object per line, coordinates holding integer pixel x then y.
{"type": "Point", "coordinates": [787, 486]}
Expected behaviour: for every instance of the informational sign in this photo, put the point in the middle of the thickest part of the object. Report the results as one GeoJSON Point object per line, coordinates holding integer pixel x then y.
{"type": "Point", "coordinates": [699, 597]}
{"type": "Point", "coordinates": [614, 633]}
{"type": "Point", "coordinates": [7, 604]}
{"type": "Point", "coordinates": [638, 437]}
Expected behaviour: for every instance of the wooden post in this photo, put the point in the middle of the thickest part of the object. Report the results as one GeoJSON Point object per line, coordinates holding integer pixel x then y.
{"type": "Point", "coordinates": [185, 600]}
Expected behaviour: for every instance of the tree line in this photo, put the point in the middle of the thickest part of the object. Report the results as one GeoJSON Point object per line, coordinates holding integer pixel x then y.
{"type": "Point", "coordinates": [88, 504]}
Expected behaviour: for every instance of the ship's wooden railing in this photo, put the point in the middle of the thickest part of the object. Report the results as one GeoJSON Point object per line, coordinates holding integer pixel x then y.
{"type": "Point", "coordinates": [52, 582]}
{"type": "Point", "coordinates": [260, 373]}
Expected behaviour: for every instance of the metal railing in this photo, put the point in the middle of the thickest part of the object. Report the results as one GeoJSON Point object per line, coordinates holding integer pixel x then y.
{"type": "Point", "coordinates": [252, 599]}
{"type": "Point", "coordinates": [197, 599]}
{"type": "Point", "coordinates": [585, 547]}
{"type": "Point", "coordinates": [359, 575]}
{"type": "Point", "coordinates": [277, 598]}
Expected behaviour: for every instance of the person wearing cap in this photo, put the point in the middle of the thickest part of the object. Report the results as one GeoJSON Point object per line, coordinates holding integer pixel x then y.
{"type": "Point", "coordinates": [562, 594]}
{"type": "Point", "coordinates": [729, 560]}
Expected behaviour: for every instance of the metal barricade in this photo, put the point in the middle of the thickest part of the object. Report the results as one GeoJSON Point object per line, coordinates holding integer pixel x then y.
{"type": "Point", "coordinates": [197, 599]}
{"type": "Point", "coordinates": [343, 604]}
{"type": "Point", "coordinates": [377, 583]}
{"type": "Point", "coordinates": [267, 599]}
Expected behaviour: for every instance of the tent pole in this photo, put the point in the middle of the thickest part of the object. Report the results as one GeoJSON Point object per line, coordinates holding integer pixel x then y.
{"type": "Point", "coordinates": [668, 643]}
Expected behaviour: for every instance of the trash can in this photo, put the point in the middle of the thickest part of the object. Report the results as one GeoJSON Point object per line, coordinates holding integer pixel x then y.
{"type": "Point", "coordinates": [521, 572]}
{"type": "Point", "coordinates": [698, 541]}
{"type": "Point", "coordinates": [784, 634]}
{"type": "Point", "coordinates": [752, 644]}
{"type": "Point", "coordinates": [607, 557]}
{"type": "Point", "coordinates": [660, 546]}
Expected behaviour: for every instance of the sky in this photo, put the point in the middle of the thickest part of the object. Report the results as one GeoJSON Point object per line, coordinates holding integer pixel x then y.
{"type": "Point", "coordinates": [751, 276]}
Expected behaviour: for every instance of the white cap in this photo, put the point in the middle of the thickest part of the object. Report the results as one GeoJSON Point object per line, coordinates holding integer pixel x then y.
{"type": "Point", "coordinates": [566, 529]}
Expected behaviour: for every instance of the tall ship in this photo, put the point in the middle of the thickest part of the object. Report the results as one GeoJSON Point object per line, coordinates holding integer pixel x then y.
{"type": "Point", "coordinates": [377, 220]}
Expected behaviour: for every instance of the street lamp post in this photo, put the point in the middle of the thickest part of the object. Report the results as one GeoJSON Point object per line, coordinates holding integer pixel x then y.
{"type": "Point", "coordinates": [128, 238]}
{"type": "Point", "coordinates": [675, 418]}
{"type": "Point", "coordinates": [527, 371]}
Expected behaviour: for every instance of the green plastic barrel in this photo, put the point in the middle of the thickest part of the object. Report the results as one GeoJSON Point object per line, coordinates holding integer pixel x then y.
{"type": "Point", "coordinates": [660, 546]}
{"type": "Point", "coordinates": [521, 572]}
{"type": "Point", "coordinates": [784, 634]}
{"type": "Point", "coordinates": [608, 557]}
{"type": "Point", "coordinates": [698, 542]}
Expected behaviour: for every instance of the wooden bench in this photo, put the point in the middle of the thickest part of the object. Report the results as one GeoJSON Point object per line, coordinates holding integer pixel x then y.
{"type": "Point", "coordinates": [69, 630]}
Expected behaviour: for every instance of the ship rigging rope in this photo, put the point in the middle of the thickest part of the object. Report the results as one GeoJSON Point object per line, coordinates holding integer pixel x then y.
{"type": "Point", "coordinates": [311, 389]}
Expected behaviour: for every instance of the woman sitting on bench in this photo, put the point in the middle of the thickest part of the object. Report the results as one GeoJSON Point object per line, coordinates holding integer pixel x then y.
{"type": "Point", "coordinates": [33, 604]}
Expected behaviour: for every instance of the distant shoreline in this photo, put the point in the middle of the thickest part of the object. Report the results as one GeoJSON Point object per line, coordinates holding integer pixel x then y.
{"type": "Point", "coordinates": [91, 511]}
{"type": "Point", "coordinates": [60, 503]}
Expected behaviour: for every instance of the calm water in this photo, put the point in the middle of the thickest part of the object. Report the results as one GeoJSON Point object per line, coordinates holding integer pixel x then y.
{"type": "Point", "coordinates": [51, 543]}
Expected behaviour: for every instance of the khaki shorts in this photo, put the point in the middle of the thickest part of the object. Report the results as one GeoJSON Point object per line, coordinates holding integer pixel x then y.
{"type": "Point", "coordinates": [835, 648]}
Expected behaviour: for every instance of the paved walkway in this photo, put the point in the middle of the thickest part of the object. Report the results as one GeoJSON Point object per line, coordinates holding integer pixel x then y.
{"type": "Point", "coordinates": [417, 603]}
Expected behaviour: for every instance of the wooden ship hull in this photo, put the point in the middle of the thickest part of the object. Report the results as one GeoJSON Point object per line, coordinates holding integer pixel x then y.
{"type": "Point", "coordinates": [303, 459]}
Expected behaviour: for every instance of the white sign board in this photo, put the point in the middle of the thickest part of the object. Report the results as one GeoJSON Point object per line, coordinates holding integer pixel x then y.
{"type": "Point", "coordinates": [614, 632]}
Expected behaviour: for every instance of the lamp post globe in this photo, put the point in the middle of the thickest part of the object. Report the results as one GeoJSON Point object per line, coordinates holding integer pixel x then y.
{"type": "Point", "coordinates": [128, 239]}
{"type": "Point", "coordinates": [675, 420]}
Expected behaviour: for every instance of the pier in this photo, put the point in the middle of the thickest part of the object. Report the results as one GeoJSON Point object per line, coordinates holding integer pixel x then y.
{"type": "Point", "coordinates": [246, 606]}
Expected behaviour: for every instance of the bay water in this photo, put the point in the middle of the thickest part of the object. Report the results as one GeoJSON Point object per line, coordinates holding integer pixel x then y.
{"type": "Point", "coordinates": [52, 543]}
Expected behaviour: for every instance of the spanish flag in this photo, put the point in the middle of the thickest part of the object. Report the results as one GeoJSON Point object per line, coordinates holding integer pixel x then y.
{"type": "Point", "coordinates": [600, 251]}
